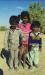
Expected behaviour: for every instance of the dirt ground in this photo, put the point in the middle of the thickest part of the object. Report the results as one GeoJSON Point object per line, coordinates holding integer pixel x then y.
{"type": "Point", "coordinates": [35, 71]}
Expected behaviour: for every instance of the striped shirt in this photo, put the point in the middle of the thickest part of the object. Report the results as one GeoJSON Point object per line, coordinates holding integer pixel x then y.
{"type": "Point", "coordinates": [34, 40]}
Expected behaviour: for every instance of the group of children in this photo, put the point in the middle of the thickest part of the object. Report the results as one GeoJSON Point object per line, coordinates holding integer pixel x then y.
{"type": "Point", "coordinates": [23, 41]}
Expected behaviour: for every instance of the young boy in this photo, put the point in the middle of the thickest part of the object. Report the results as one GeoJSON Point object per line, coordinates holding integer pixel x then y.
{"type": "Point", "coordinates": [34, 43]}
{"type": "Point", "coordinates": [12, 41]}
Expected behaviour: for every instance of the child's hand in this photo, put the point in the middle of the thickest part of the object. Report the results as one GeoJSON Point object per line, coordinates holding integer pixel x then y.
{"type": "Point", "coordinates": [23, 42]}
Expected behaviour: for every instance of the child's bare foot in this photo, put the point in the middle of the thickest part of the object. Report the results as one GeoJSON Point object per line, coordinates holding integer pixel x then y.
{"type": "Point", "coordinates": [30, 67]}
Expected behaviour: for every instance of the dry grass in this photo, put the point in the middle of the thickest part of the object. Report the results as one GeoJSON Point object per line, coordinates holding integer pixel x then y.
{"type": "Point", "coordinates": [21, 71]}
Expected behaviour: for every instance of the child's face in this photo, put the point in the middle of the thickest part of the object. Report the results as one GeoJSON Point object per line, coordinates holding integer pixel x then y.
{"type": "Point", "coordinates": [25, 20]}
{"type": "Point", "coordinates": [36, 29]}
{"type": "Point", "coordinates": [13, 27]}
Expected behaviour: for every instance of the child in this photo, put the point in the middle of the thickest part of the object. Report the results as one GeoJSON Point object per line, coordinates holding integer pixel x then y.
{"type": "Point", "coordinates": [34, 43]}
{"type": "Point", "coordinates": [25, 28]}
{"type": "Point", "coordinates": [12, 41]}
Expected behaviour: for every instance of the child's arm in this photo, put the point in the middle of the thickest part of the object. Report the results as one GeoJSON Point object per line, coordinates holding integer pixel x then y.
{"type": "Point", "coordinates": [20, 38]}
{"type": "Point", "coordinates": [23, 38]}
{"type": "Point", "coordinates": [6, 40]}
{"type": "Point", "coordinates": [40, 44]}
{"type": "Point", "coordinates": [29, 42]}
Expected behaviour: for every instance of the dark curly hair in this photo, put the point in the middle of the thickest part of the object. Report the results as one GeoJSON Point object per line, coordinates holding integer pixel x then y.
{"type": "Point", "coordinates": [13, 19]}
{"type": "Point", "coordinates": [35, 24]}
{"type": "Point", "coordinates": [25, 13]}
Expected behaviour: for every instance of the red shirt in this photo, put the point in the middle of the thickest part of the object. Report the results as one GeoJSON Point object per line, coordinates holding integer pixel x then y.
{"type": "Point", "coordinates": [25, 30]}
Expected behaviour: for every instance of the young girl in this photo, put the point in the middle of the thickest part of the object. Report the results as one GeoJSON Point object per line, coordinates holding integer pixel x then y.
{"type": "Point", "coordinates": [34, 43]}
{"type": "Point", "coordinates": [25, 28]}
{"type": "Point", "coordinates": [12, 41]}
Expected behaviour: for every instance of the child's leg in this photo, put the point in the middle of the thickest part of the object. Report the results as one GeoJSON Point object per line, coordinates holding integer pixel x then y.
{"type": "Point", "coordinates": [28, 59]}
{"type": "Point", "coordinates": [28, 56]}
{"type": "Point", "coordinates": [16, 58]}
{"type": "Point", "coordinates": [20, 55]}
{"type": "Point", "coordinates": [21, 58]}
{"type": "Point", "coordinates": [25, 50]}
{"type": "Point", "coordinates": [36, 56]}
{"type": "Point", "coordinates": [31, 57]}
{"type": "Point", "coordinates": [11, 58]}
{"type": "Point", "coordinates": [24, 60]}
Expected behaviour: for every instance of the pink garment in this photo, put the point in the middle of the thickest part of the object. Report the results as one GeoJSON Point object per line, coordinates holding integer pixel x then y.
{"type": "Point", "coordinates": [25, 30]}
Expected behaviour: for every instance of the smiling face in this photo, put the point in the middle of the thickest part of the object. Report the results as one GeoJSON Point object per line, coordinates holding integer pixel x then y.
{"type": "Point", "coordinates": [36, 29]}
{"type": "Point", "coordinates": [25, 19]}
{"type": "Point", "coordinates": [13, 26]}
{"type": "Point", "coordinates": [13, 22]}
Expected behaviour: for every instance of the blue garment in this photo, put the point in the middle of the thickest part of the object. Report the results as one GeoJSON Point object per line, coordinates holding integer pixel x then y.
{"type": "Point", "coordinates": [34, 40]}
{"type": "Point", "coordinates": [34, 45]}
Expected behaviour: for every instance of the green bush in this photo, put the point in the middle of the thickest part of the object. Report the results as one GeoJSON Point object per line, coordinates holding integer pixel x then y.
{"type": "Point", "coordinates": [3, 28]}
{"type": "Point", "coordinates": [37, 12]}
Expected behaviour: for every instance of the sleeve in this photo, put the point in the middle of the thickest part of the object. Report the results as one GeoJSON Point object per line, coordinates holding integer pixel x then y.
{"type": "Point", "coordinates": [29, 42]}
{"type": "Point", "coordinates": [6, 40]}
{"type": "Point", "coordinates": [40, 44]}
